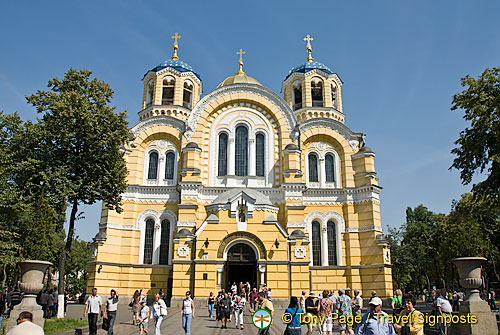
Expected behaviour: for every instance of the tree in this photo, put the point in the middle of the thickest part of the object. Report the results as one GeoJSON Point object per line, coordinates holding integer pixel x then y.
{"type": "Point", "coordinates": [80, 146]}
{"type": "Point", "coordinates": [478, 148]}
{"type": "Point", "coordinates": [76, 268]}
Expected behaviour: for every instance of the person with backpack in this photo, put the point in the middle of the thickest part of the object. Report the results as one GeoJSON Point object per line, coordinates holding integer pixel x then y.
{"type": "Point", "coordinates": [397, 302]}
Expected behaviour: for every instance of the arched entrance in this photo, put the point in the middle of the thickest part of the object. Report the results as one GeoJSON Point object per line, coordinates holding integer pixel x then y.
{"type": "Point", "coordinates": [241, 265]}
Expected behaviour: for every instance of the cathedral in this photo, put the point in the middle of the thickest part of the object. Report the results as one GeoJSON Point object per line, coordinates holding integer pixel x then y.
{"type": "Point", "coordinates": [244, 184]}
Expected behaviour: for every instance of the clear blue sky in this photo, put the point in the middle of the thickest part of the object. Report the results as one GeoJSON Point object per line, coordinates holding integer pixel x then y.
{"type": "Point", "coordinates": [400, 62]}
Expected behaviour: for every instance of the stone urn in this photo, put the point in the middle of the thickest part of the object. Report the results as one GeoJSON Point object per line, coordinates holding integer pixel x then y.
{"type": "Point", "coordinates": [469, 270]}
{"type": "Point", "coordinates": [32, 273]}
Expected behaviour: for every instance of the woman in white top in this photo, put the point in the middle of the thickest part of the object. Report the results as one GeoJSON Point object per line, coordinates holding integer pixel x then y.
{"type": "Point", "coordinates": [143, 318]}
{"type": "Point", "coordinates": [159, 311]}
{"type": "Point", "coordinates": [187, 313]}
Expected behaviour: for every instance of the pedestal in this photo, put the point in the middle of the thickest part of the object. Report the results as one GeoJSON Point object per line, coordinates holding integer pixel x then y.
{"type": "Point", "coordinates": [32, 273]}
{"type": "Point", "coordinates": [469, 269]}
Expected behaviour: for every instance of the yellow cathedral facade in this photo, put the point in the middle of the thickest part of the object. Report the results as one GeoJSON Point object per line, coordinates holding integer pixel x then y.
{"type": "Point", "coordinates": [243, 184]}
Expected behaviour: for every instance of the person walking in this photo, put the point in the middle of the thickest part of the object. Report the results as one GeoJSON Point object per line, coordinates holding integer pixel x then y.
{"type": "Point", "coordinates": [344, 305]}
{"type": "Point", "coordinates": [238, 306]}
{"type": "Point", "coordinates": [234, 288]}
{"type": "Point", "coordinates": [302, 301]}
{"type": "Point", "coordinates": [111, 308]}
{"type": "Point", "coordinates": [44, 299]}
{"type": "Point", "coordinates": [397, 302]}
{"type": "Point", "coordinates": [143, 318]}
{"type": "Point", "coordinates": [159, 312]}
{"type": "Point", "coordinates": [413, 324]}
{"type": "Point", "coordinates": [25, 326]}
{"type": "Point", "coordinates": [93, 307]}
{"type": "Point", "coordinates": [443, 308]}
{"type": "Point", "coordinates": [375, 321]}
{"type": "Point", "coordinates": [253, 298]}
{"type": "Point", "coordinates": [51, 304]}
{"type": "Point", "coordinates": [325, 311]}
{"type": "Point", "coordinates": [268, 306]}
{"type": "Point", "coordinates": [187, 313]}
{"type": "Point", "coordinates": [294, 310]}
{"type": "Point", "coordinates": [136, 306]}
{"type": "Point", "coordinates": [210, 305]}
{"type": "Point", "coordinates": [225, 310]}
{"type": "Point", "coordinates": [311, 312]}
{"type": "Point", "coordinates": [491, 299]}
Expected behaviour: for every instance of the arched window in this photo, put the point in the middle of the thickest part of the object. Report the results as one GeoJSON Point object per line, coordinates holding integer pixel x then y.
{"type": "Point", "coordinates": [297, 95]}
{"type": "Point", "coordinates": [241, 154]}
{"type": "Point", "coordinates": [222, 159]}
{"type": "Point", "coordinates": [335, 103]}
{"type": "Point", "coordinates": [188, 94]}
{"type": "Point", "coordinates": [169, 165]}
{"type": "Point", "coordinates": [317, 92]}
{"type": "Point", "coordinates": [332, 244]}
{"type": "Point", "coordinates": [153, 165]}
{"type": "Point", "coordinates": [149, 94]}
{"type": "Point", "coordinates": [164, 241]}
{"type": "Point", "coordinates": [316, 243]}
{"type": "Point", "coordinates": [148, 242]}
{"type": "Point", "coordinates": [259, 155]}
{"type": "Point", "coordinates": [330, 168]}
{"type": "Point", "coordinates": [167, 97]}
{"type": "Point", "coordinates": [313, 168]}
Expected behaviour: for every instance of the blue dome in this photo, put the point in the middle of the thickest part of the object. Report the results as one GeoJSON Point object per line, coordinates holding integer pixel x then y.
{"type": "Point", "coordinates": [308, 66]}
{"type": "Point", "coordinates": [176, 64]}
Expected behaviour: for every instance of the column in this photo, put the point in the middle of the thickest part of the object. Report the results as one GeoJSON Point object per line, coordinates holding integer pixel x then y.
{"type": "Point", "coordinates": [324, 244]}
{"type": "Point", "coordinates": [156, 243]}
{"type": "Point", "coordinates": [251, 157]}
{"type": "Point", "coordinates": [231, 156]}
{"type": "Point", "coordinates": [262, 270]}
{"type": "Point", "coordinates": [220, 269]}
{"type": "Point", "coordinates": [321, 172]}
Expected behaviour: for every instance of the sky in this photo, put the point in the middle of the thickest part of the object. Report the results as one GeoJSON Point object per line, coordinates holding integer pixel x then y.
{"type": "Point", "coordinates": [400, 62]}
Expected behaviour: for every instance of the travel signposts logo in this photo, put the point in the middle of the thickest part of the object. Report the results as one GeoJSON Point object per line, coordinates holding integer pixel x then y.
{"type": "Point", "coordinates": [262, 318]}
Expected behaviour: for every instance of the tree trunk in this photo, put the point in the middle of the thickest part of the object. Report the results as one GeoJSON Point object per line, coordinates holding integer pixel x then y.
{"type": "Point", "coordinates": [62, 259]}
{"type": "Point", "coordinates": [4, 275]}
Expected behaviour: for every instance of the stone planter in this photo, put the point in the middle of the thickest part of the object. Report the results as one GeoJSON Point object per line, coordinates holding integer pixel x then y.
{"type": "Point", "coordinates": [469, 270]}
{"type": "Point", "coordinates": [32, 273]}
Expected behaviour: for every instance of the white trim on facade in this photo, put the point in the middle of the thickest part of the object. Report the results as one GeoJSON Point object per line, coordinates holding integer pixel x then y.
{"type": "Point", "coordinates": [322, 219]}
{"type": "Point", "coordinates": [157, 217]}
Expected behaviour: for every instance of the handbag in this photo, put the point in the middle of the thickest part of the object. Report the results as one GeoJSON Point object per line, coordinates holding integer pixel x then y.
{"type": "Point", "coordinates": [131, 304]}
{"type": "Point", "coordinates": [105, 324]}
{"type": "Point", "coordinates": [163, 311]}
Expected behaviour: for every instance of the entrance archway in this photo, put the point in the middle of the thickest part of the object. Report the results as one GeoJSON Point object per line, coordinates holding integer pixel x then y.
{"type": "Point", "coordinates": [241, 265]}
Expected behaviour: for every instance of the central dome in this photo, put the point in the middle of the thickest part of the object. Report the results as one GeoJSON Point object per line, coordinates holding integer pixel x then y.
{"type": "Point", "coordinates": [239, 78]}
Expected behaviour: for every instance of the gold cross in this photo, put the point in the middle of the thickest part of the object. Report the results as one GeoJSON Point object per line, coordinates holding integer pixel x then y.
{"type": "Point", "coordinates": [240, 63]}
{"type": "Point", "coordinates": [308, 39]}
{"type": "Point", "coordinates": [176, 46]}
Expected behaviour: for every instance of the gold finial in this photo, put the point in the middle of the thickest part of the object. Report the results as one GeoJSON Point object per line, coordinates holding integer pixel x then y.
{"type": "Point", "coordinates": [176, 46]}
{"type": "Point", "coordinates": [240, 63]}
{"type": "Point", "coordinates": [308, 38]}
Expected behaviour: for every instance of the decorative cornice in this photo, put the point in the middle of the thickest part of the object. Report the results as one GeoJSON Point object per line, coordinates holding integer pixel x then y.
{"type": "Point", "coordinates": [176, 72]}
{"type": "Point", "coordinates": [161, 120]}
{"type": "Point", "coordinates": [151, 194]}
{"type": "Point", "coordinates": [243, 88]}
{"type": "Point", "coordinates": [363, 229]}
{"type": "Point", "coordinates": [117, 226]}
{"type": "Point", "coordinates": [355, 139]}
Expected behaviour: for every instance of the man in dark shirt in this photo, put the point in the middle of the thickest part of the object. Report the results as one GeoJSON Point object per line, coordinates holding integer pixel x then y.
{"type": "Point", "coordinates": [225, 306]}
{"type": "Point", "coordinates": [311, 311]}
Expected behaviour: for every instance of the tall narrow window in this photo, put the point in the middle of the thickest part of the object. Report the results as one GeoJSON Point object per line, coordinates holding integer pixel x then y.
{"type": "Point", "coordinates": [259, 155]}
{"type": "Point", "coordinates": [164, 241]}
{"type": "Point", "coordinates": [332, 243]}
{"type": "Point", "coordinates": [169, 165]}
{"type": "Point", "coordinates": [330, 168]}
{"type": "Point", "coordinates": [334, 97]}
{"type": "Point", "coordinates": [316, 243]}
{"type": "Point", "coordinates": [241, 154]}
{"type": "Point", "coordinates": [313, 168]}
{"type": "Point", "coordinates": [297, 95]}
{"type": "Point", "coordinates": [153, 165]}
{"type": "Point", "coordinates": [222, 159]}
{"type": "Point", "coordinates": [148, 241]}
{"type": "Point", "coordinates": [317, 92]}
{"type": "Point", "coordinates": [149, 94]}
{"type": "Point", "coordinates": [188, 94]}
{"type": "Point", "coordinates": [167, 97]}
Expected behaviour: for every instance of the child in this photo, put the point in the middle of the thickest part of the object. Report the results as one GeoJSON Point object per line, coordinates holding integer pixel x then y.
{"type": "Point", "coordinates": [143, 318]}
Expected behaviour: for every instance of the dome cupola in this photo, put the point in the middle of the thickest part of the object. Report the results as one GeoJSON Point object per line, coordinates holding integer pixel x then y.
{"type": "Point", "coordinates": [240, 77]}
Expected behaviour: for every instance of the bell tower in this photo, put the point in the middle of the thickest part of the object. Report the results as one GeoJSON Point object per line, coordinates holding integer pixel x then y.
{"type": "Point", "coordinates": [312, 90]}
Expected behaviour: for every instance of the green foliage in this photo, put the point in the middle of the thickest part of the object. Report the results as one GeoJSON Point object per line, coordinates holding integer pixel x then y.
{"type": "Point", "coordinates": [77, 268]}
{"type": "Point", "coordinates": [55, 326]}
{"type": "Point", "coordinates": [478, 148]}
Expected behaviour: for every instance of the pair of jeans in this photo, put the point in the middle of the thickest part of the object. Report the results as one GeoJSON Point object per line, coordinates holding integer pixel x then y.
{"type": "Point", "coordinates": [158, 320]}
{"type": "Point", "coordinates": [93, 323]}
{"type": "Point", "coordinates": [186, 323]}
{"type": "Point", "coordinates": [210, 310]}
{"type": "Point", "coordinates": [111, 318]}
{"type": "Point", "coordinates": [293, 331]}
